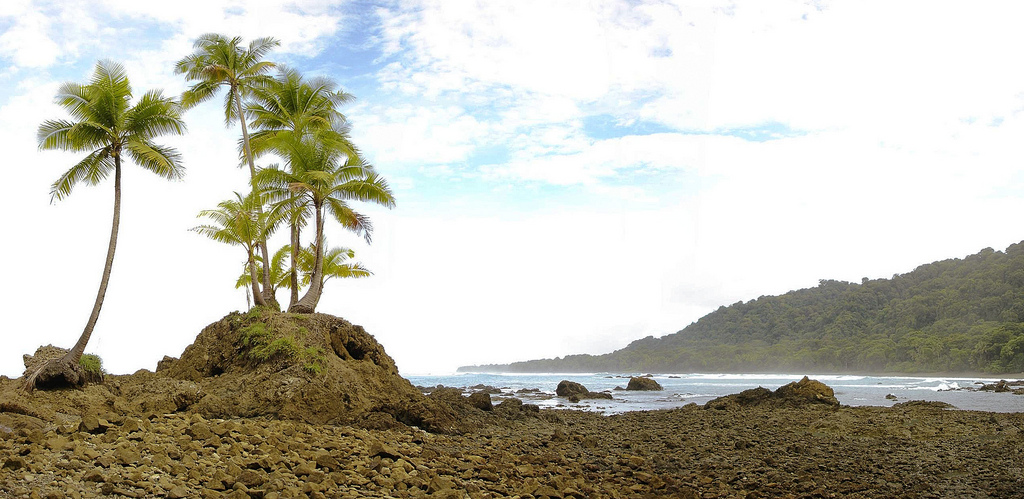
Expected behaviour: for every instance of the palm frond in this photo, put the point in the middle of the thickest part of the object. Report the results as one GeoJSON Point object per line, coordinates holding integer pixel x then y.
{"type": "Point", "coordinates": [53, 134]}
{"type": "Point", "coordinates": [161, 160]}
{"type": "Point", "coordinates": [92, 169]}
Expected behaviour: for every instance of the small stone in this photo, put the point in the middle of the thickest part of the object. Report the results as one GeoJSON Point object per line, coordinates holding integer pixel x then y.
{"type": "Point", "coordinates": [15, 463]}
{"type": "Point", "coordinates": [439, 483]}
{"type": "Point", "coordinates": [383, 450]}
{"type": "Point", "coordinates": [93, 475]}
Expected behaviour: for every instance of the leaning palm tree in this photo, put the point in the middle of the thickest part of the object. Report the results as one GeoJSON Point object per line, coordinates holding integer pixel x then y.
{"type": "Point", "coordinates": [326, 179]}
{"type": "Point", "coordinates": [242, 222]}
{"type": "Point", "coordinates": [218, 61]}
{"type": "Point", "coordinates": [105, 124]}
{"type": "Point", "coordinates": [289, 108]}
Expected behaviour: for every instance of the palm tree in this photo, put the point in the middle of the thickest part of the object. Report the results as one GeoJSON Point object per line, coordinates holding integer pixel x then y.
{"type": "Point", "coordinates": [290, 108]}
{"type": "Point", "coordinates": [324, 179]}
{"type": "Point", "coordinates": [105, 124]}
{"type": "Point", "coordinates": [278, 274]}
{"type": "Point", "coordinates": [335, 264]}
{"type": "Point", "coordinates": [219, 61]}
{"type": "Point", "coordinates": [242, 222]}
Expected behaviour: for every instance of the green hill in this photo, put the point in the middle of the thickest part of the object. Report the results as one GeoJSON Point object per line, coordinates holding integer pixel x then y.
{"type": "Point", "coordinates": [957, 315]}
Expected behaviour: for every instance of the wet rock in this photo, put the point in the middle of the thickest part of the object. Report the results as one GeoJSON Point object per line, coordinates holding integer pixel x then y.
{"type": "Point", "coordinates": [480, 400]}
{"type": "Point", "coordinates": [643, 383]}
{"type": "Point", "coordinates": [795, 394]}
{"type": "Point", "coordinates": [568, 388]}
{"type": "Point", "coordinates": [575, 392]}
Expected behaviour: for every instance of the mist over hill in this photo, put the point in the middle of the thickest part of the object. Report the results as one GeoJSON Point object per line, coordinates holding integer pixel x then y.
{"type": "Point", "coordinates": [956, 315]}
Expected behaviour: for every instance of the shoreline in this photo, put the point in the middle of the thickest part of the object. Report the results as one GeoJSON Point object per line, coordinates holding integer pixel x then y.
{"type": "Point", "coordinates": [911, 450]}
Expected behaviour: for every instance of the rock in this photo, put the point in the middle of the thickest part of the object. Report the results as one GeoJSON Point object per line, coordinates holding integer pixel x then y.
{"type": "Point", "coordinates": [480, 400]}
{"type": "Point", "coordinates": [378, 448]}
{"type": "Point", "coordinates": [568, 388]}
{"type": "Point", "coordinates": [165, 363]}
{"type": "Point", "coordinates": [807, 390]}
{"type": "Point", "coordinates": [355, 375]}
{"type": "Point", "coordinates": [998, 387]}
{"type": "Point", "coordinates": [15, 463]}
{"type": "Point", "coordinates": [575, 392]}
{"type": "Point", "coordinates": [795, 394]}
{"type": "Point", "coordinates": [91, 424]}
{"type": "Point", "coordinates": [178, 492]}
{"type": "Point", "coordinates": [643, 383]}
{"type": "Point", "coordinates": [93, 475]}
{"type": "Point", "coordinates": [890, 397]}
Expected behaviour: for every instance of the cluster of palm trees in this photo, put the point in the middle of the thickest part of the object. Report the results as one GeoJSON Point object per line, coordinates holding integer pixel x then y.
{"type": "Point", "coordinates": [294, 118]}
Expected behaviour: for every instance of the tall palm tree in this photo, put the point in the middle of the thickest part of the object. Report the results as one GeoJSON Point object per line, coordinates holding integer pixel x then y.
{"type": "Point", "coordinates": [290, 108]}
{"type": "Point", "coordinates": [105, 124]}
{"type": "Point", "coordinates": [242, 222]}
{"type": "Point", "coordinates": [324, 178]}
{"type": "Point", "coordinates": [218, 61]}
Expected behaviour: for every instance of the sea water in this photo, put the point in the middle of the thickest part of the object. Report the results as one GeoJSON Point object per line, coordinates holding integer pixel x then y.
{"type": "Point", "coordinates": [682, 389]}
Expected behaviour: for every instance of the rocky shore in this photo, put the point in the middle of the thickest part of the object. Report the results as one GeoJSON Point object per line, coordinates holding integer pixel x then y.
{"type": "Point", "coordinates": [117, 440]}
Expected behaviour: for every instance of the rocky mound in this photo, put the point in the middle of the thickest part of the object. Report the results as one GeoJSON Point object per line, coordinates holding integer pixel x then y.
{"type": "Point", "coordinates": [643, 383]}
{"type": "Point", "coordinates": [795, 394]}
{"type": "Point", "coordinates": [313, 368]}
{"type": "Point", "coordinates": [575, 391]}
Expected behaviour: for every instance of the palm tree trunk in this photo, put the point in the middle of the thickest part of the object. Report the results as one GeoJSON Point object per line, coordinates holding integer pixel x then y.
{"type": "Point", "coordinates": [268, 290]}
{"type": "Point", "coordinates": [76, 352]}
{"type": "Point", "coordinates": [257, 297]}
{"type": "Point", "coordinates": [309, 301]}
{"type": "Point", "coordinates": [294, 277]}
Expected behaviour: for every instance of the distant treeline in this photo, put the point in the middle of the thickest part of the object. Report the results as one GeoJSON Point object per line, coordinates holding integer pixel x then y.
{"type": "Point", "coordinates": [949, 316]}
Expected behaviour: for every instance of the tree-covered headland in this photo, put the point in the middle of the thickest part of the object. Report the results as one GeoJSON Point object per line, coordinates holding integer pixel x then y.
{"type": "Point", "coordinates": [957, 315]}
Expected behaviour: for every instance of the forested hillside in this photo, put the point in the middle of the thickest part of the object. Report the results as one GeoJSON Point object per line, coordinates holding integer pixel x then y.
{"type": "Point", "coordinates": [958, 315]}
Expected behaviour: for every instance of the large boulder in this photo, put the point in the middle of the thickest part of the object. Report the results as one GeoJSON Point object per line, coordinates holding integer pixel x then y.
{"type": "Point", "coordinates": [568, 388]}
{"type": "Point", "coordinates": [643, 383]}
{"type": "Point", "coordinates": [575, 391]}
{"type": "Point", "coordinates": [796, 394]}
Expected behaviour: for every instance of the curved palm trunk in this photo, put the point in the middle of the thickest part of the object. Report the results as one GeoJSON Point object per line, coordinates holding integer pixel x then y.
{"type": "Point", "coordinates": [309, 301]}
{"type": "Point", "coordinates": [294, 274]}
{"type": "Point", "coordinates": [76, 352]}
{"type": "Point", "coordinates": [268, 290]}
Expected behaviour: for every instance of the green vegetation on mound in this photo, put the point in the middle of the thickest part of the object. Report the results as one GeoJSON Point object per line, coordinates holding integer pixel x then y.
{"type": "Point", "coordinates": [267, 341]}
{"type": "Point", "coordinates": [957, 315]}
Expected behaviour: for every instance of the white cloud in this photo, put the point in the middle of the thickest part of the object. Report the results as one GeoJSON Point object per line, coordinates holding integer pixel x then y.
{"type": "Point", "coordinates": [27, 42]}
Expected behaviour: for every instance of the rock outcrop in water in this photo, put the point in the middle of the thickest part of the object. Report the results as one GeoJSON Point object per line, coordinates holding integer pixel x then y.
{"type": "Point", "coordinates": [795, 394]}
{"type": "Point", "coordinates": [643, 383]}
{"type": "Point", "coordinates": [575, 392]}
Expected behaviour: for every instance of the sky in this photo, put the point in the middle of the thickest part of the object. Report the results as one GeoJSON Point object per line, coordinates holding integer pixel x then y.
{"type": "Point", "coordinates": [570, 176]}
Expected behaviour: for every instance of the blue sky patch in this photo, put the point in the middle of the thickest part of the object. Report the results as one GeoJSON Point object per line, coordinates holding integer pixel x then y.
{"type": "Point", "coordinates": [606, 126]}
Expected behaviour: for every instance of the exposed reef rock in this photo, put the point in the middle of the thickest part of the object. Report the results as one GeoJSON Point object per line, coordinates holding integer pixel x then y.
{"type": "Point", "coordinates": [575, 391]}
{"type": "Point", "coordinates": [795, 394]}
{"type": "Point", "coordinates": [643, 383]}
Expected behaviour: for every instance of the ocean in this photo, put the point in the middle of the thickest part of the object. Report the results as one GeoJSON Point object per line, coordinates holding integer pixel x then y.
{"type": "Point", "coordinates": [682, 389]}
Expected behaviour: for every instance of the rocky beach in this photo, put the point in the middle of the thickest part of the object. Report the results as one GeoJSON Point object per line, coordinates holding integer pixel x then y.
{"type": "Point", "coordinates": [332, 418]}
